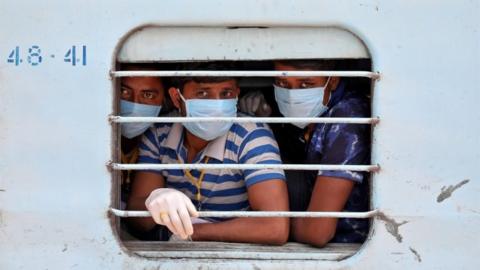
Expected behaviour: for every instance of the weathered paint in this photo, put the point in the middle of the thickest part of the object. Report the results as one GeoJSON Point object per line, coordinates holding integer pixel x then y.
{"type": "Point", "coordinates": [203, 250]}
{"type": "Point", "coordinates": [149, 43]}
{"type": "Point", "coordinates": [447, 191]}
{"type": "Point", "coordinates": [55, 136]}
{"type": "Point", "coordinates": [392, 226]}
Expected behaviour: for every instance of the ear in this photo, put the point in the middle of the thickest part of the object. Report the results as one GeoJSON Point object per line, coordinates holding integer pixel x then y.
{"type": "Point", "coordinates": [333, 84]}
{"type": "Point", "coordinates": [237, 91]}
{"type": "Point", "coordinates": [175, 97]}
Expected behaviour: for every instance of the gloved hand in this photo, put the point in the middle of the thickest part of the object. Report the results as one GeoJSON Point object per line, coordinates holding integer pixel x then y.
{"type": "Point", "coordinates": [173, 209]}
{"type": "Point", "coordinates": [254, 103]}
{"type": "Point", "coordinates": [176, 238]}
{"type": "Point", "coordinates": [200, 221]}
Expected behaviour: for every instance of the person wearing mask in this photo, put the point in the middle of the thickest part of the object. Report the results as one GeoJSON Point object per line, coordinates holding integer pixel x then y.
{"type": "Point", "coordinates": [139, 97]}
{"type": "Point", "coordinates": [304, 143]}
{"type": "Point", "coordinates": [175, 196]}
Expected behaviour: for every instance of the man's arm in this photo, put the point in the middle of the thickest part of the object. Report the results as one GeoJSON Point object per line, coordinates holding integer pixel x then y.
{"type": "Point", "coordinates": [342, 144]}
{"type": "Point", "coordinates": [268, 195]}
{"type": "Point", "coordinates": [143, 184]}
{"type": "Point", "coordinates": [329, 194]}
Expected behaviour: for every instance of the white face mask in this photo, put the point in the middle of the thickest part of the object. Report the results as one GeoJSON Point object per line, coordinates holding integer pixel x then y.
{"type": "Point", "coordinates": [131, 109]}
{"type": "Point", "coordinates": [301, 102]}
{"type": "Point", "coordinates": [209, 108]}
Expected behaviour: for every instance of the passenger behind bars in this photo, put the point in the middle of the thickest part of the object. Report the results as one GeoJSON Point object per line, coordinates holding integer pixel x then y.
{"type": "Point", "coordinates": [175, 196]}
{"type": "Point", "coordinates": [300, 143]}
{"type": "Point", "coordinates": [139, 97]}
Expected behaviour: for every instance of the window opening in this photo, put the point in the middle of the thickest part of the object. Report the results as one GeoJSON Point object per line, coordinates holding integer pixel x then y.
{"type": "Point", "coordinates": [250, 79]}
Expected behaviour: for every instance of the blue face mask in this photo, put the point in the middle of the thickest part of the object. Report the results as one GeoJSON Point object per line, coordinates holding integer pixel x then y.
{"type": "Point", "coordinates": [209, 108]}
{"type": "Point", "coordinates": [301, 102]}
{"type": "Point", "coordinates": [131, 109]}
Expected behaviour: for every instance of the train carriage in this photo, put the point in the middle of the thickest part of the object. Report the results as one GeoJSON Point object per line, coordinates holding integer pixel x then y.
{"type": "Point", "coordinates": [59, 131]}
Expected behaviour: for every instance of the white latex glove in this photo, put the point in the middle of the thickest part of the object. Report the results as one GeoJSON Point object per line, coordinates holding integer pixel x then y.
{"type": "Point", "coordinates": [173, 209]}
{"type": "Point", "coordinates": [175, 238]}
{"type": "Point", "coordinates": [253, 103]}
{"type": "Point", "coordinates": [196, 220]}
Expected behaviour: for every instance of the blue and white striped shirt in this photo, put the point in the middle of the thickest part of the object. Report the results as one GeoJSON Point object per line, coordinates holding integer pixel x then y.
{"type": "Point", "coordinates": [221, 190]}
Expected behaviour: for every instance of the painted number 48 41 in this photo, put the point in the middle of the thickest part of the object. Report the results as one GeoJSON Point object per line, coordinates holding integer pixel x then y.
{"type": "Point", "coordinates": [75, 55]}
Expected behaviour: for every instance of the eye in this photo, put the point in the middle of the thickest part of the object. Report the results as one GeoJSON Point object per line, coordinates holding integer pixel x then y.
{"type": "Point", "coordinates": [227, 94]}
{"type": "Point", "coordinates": [281, 83]}
{"type": "Point", "coordinates": [201, 94]}
{"type": "Point", "coordinates": [149, 95]}
{"type": "Point", "coordinates": [126, 93]}
{"type": "Point", "coordinates": [305, 85]}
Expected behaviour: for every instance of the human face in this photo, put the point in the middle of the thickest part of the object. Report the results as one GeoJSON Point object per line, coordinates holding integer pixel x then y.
{"type": "Point", "coordinates": [211, 90]}
{"type": "Point", "coordinates": [143, 90]}
{"type": "Point", "coordinates": [305, 82]}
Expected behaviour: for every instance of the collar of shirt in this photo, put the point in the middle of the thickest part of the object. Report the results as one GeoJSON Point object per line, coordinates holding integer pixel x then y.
{"type": "Point", "coordinates": [214, 149]}
{"type": "Point", "coordinates": [130, 157]}
{"type": "Point", "coordinates": [337, 95]}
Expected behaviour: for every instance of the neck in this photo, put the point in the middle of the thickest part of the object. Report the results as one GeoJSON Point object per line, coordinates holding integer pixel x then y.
{"type": "Point", "coordinates": [193, 144]}
{"type": "Point", "coordinates": [308, 132]}
{"type": "Point", "coordinates": [129, 144]}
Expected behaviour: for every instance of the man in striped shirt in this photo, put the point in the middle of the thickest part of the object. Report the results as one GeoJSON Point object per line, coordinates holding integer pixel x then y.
{"type": "Point", "coordinates": [173, 196]}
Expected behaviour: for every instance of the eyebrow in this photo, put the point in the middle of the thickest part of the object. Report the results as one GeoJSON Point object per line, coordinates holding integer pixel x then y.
{"type": "Point", "coordinates": [124, 85]}
{"type": "Point", "coordinates": [210, 88]}
{"type": "Point", "coordinates": [150, 90]}
{"type": "Point", "coordinates": [305, 79]}
{"type": "Point", "coordinates": [299, 79]}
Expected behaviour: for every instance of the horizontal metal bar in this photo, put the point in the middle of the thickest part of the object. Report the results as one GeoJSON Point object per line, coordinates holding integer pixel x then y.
{"type": "Point", "coordinates": [340, 120]}
{"type": "Point", "coordinates": [242, 73]}
{"type": "Point", "coordinates": [233, 214]}
{"type": "Point", "coordinates": [306, 167]}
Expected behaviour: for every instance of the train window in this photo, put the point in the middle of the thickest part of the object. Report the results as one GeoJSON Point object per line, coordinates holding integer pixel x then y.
{"type": "Point", "coordinates": [255, 57]}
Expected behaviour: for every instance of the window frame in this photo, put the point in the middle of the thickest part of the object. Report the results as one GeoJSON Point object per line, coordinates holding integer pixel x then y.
{"type": "Point", "coordinates": [139, 248]}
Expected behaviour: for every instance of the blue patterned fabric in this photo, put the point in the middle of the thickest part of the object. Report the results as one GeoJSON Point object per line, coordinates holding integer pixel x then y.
{"type": "Point", "coordinates": [220, 190]}
{"type": "Point", "coordinates": [331, 144]}
{"type": "Point", "coordinates": [345, 144]}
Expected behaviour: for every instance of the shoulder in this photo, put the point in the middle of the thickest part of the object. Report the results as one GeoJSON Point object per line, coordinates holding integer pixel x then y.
{"type": "Point", "coordinates": [352, 104]}
{"type": "Point", "coordinates": [335, 135]}
{"type": "Point", "coordinates": [156, 134]}
{"type": "Point", "coordinates": [251, 135]}
{"type": "Point", "coordinates": [245, 130]}
{"type": "Point", "coordinates": [159, 129]}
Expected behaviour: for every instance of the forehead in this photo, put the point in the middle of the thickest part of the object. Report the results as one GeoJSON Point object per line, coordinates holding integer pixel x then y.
{"type": "Point", "coordinates": [142, 82]}
{"type": "Point", "coordinates": [230, 84]}
{"type": "Point", "coordinates": [286, 67]}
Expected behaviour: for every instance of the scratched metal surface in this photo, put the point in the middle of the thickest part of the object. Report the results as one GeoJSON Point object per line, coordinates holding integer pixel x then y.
{"type": "Point", "coordinates": [325, 42]}
{"type": "Point", "coordinates": [289, 251]}
{"type": "Point", "coordinates": [55, 140]}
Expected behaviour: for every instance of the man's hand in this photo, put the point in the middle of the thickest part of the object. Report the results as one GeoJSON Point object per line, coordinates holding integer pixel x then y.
{"type": "Point", "coordinates": [254, 103]}
{"type": "Point", "coordinates": [173, 209]}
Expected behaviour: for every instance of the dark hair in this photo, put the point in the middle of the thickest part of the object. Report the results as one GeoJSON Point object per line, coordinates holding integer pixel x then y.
{"type": "Point", "coordinates": [324, 64]}
{"type": "Point", "coordinates": [139, 66]}
{"type": "Point", "coordinates": [180, 82]}
{"type": "Point", "coordinates": [142, 67]}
